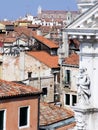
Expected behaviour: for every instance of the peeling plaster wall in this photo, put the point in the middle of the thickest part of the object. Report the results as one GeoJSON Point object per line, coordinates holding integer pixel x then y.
{"type": "Point", "coordinates": [41, 76]}
{"type": "Point", "coordinates": [16, 69]}
{"type": "Point", "coordinates": [10, 68]}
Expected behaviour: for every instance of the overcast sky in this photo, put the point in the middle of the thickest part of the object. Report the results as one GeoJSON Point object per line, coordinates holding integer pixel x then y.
{"type": "Point", "coordinates": [13, 9]}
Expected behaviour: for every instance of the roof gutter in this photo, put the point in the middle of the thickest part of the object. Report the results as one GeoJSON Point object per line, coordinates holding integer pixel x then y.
{"type": "Point", "coordinates": [59, 124]}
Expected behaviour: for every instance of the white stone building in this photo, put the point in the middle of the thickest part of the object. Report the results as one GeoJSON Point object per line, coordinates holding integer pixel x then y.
{"type": "Point", "coordinates": [70, 68]}
{"type": "Point", "coordinates": [84, 5]}
{"type": "Point", "coordinates": [85, 29]}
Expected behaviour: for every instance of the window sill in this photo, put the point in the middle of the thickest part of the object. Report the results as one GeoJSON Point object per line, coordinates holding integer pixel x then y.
{"type": "Point", "coordinates": [22, 127]}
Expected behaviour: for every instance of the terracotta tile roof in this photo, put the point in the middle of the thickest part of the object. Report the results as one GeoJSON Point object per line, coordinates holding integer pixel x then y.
{"type": "Point", "coordinates": [9, 39]}
{"type": "Point", "coordinates": [44, 57]}
{"type": "Point", "coordinates": [7, 22]}
{"type": "Point", "coordinates": [73, 59]}
{"type": "Point", "coordinates": [45, 29]}
{"type": "Point", "coordinates": [41, 39]}
{"type": "Point", "coordinates": [52, 30]}
{"type": "Point", "coordinates": [34, 26]}
{"type": "Point", "coordinates": [11, 89]}
{"type": "Point", "coordinates": [50, 114]}
{"type": "Point", "coordinates": [45, 41]}
{"type": "Point", "coordinates": [57, 11]}
{"type": "Point", "coordinates": [23, 30]}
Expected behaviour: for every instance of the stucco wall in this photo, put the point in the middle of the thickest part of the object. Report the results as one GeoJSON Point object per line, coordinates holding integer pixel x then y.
{"type": "Point", "coordinates": [73, 76]}
{"type": "Point", "coordinates": [43, 76]}
{"type": "Point", "coordinates": [12, 112]}
{"type": "Point", "coordinates": [16, 68]}
{"type": "Point", "coordinates": [10, 68]}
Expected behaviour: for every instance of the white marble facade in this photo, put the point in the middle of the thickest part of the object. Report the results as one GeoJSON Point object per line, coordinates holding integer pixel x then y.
{"type": "Point", "coordinates": [85, 29]}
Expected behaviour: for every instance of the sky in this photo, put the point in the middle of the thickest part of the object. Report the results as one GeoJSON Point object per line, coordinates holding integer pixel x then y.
{"type": "Point", "coordinates": [14, 9]}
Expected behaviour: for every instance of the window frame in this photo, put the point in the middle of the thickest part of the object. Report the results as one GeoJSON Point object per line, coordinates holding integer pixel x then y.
{"type": "Point", "coordinates": [4, 122]}
{"type": "Point", "coordinates": [28, 117]}
{"type": "Point", "coordinates": [65, 99]}
{"type": "Point", "coordinates": [71, 99]}
{"type": "Point", "coordinates": [73, 103]}
{"type": "Point", "coordinates": [67, 77]}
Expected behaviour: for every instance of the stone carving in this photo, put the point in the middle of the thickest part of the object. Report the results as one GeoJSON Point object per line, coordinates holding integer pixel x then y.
{"type": "Point", "coordinates": [83, 87]}
{"type": "Point", "coordinates": [81, 122]}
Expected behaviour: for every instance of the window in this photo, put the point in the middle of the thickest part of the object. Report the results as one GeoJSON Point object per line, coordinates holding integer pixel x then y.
{"type": "Point", "coordinates": [67, 76]}
{"type": "Point", "coordinates": [53, 52]}
{"type": "Point", "coordinates": [44, 90]}
{"type": "Point", "coordinates": [29, 74]}
{"type": "Point", "coordinates": [74, 100]}
{"type": "Point", "coordinates": [23, 116]}
{"type": "Point", "coordinates": [67, 99]}
{"type": "Point", "coordinates": [2, 119]}
{"type": "Point", "coordinates": [70, 99]}
{"type": "Point", "coordinates": [56, 97]}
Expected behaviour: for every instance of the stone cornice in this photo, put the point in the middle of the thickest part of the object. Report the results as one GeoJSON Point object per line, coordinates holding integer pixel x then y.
{"type": "Point", "coordinates": [84, 35]}
{"type": "Point", "coordinates": [80, 31]}
{"type": "Point", "coordinates": [89, 54]}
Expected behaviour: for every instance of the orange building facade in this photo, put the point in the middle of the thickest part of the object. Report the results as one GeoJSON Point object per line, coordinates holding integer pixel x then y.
{"type": "Point", "coordinates": [19, 108]}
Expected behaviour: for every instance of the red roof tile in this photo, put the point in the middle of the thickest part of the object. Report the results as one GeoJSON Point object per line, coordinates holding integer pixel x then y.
{"type": "Point", "coordinates": [11, 89]}
{"type": "Point", "coordinates": [57, 11]}
{"type": "Point", "coordinates": [23, 30]}
{"type": "Point", "coordinates": [50, 114]}
{"type": "Point", "coordinates": [41, 39]}
{"type": "Point", "coordinates": [9, 40]}
{"type": "Point", "coordinates": [45, 41]}
{"type": "Point", "coordinates": [34, 26]}
{"type": "Point", "coordinates": [7, 22]}
{"type": "Point", "coordinates": [73, 59]}
{"type": "Point", "coordinates": [44, 57]}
